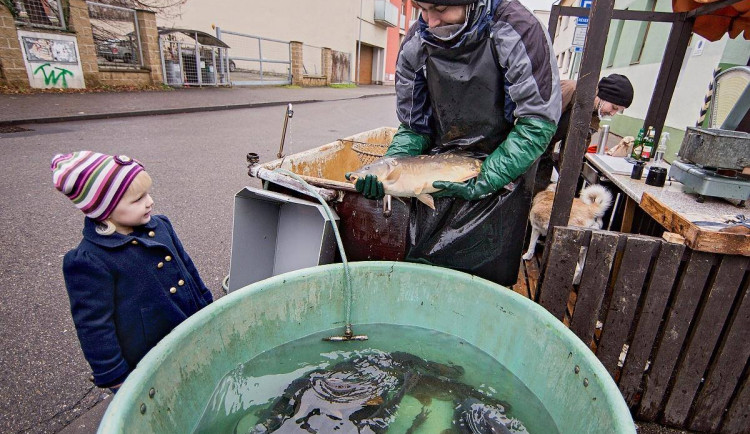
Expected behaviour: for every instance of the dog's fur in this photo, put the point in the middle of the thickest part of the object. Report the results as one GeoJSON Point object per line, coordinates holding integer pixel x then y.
{"type": "Point", "coordinates": [587, 212]}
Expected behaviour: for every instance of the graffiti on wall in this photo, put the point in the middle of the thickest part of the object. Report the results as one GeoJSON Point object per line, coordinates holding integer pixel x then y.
{"type": "Point", "coordinates": [50, 50]}
{"type": "Point", "coordinates": [52, 60]}
{"type": "Point", "coordinates": [54, 75]}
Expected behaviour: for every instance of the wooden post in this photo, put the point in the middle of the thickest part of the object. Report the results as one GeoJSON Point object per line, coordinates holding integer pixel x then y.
{"type": "Point", "coordinates": [554, 17]}
{"type": "Point", "coordinates": [679, 38]}
{"type": "Point", "coordinates": [583, 105]}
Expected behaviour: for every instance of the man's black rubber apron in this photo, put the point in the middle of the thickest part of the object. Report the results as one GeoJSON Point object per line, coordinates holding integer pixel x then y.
{"type": "Point", "coordinates": [483, 237]}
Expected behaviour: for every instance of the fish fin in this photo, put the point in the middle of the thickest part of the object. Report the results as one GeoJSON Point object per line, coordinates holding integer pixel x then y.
{"type": "Point", "coordinates": [394, 174]}
{"type": "Point", "coordinates": [419, 190]}
{"type": "Point", "coordinates": [466, 178]}
{"type": "Point", "coordinates": [427, 200]}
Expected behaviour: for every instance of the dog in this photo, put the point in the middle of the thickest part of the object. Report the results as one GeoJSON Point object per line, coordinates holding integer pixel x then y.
{"type": "Point", "coordinates": [586, 212]}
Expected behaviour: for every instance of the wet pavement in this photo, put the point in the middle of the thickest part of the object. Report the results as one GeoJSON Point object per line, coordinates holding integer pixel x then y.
{"type": "Point", "coordinates": [198, 164]}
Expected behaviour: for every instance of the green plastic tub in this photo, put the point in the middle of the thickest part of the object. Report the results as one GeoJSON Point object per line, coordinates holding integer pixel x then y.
{"type": "Point", "coordinates": [169, 389]}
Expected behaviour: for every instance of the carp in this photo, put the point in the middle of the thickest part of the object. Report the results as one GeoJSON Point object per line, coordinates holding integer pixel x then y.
{"type": "Point", "coordinates": [413, 176]}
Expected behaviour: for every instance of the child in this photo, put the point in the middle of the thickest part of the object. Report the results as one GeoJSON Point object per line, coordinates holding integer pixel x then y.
{"type": "Point", "coordinates": [130, 281]}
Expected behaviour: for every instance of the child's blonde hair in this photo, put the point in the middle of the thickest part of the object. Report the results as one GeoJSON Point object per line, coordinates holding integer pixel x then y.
{"type": "Point", "coordinates": [142, 181]}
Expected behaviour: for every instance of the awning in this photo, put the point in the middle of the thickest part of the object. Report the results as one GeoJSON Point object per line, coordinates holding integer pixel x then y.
{"type": "Point", "coordinates": [733, 19]}
{"type": "Point", "coordinates": [203, 38]}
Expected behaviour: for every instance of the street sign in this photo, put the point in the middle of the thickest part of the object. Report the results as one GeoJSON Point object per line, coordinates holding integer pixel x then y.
{"type": "Point", "coordinates": [584, 21]}
{"type": "Point", "coordinates": [579, 36]}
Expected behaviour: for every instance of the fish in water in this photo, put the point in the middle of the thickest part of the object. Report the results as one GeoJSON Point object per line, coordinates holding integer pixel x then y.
{"type": "Point", "coordinates": [363, 395]}
{"type": "Point", "coordinates": [413, 176]}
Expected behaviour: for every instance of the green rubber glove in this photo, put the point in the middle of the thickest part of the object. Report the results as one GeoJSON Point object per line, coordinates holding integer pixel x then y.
{"type": "Point", "coordinates": [473, 189]}
{"type": "Point", "coordinates": [526, 142]}
{"type": "Point", "coordinates": [369, 186]}
{"type": "Point", "coordinates": [407, 142]}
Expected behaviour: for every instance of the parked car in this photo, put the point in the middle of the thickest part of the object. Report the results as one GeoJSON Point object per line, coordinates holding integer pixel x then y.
{"type": "Point", "coordinates": [232, 66]}
{"type": "Point", "coordinates": [116, 49]}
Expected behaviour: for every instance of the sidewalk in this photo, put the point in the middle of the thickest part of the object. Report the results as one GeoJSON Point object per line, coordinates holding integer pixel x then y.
{"type": "Point", "coordinates": [63, 107]}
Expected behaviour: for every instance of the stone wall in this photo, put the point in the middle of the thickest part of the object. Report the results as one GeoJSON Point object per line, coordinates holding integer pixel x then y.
{"type": "Point", "coordinates": [315, 81]}
{"type": "Point", "coordinates": [80, 23]}
{"type": "Point", "coordinates": [125, 78]}
{"type": "Point", "coordinates": [297, 66]}
{"type": "Point", "coordinates": [150, 45]}
{"type": "Point", "coordinates": [12, 66]}
{"type": "Point", "coordinates": [299, 78]}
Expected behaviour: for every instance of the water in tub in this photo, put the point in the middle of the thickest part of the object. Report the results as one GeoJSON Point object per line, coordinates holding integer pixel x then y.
{"type": "Point", "coordinates": [402, 380]}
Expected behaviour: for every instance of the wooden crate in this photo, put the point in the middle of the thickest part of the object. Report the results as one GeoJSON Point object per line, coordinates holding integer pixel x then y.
{"type": "Point", "coordinates": [674, 323]}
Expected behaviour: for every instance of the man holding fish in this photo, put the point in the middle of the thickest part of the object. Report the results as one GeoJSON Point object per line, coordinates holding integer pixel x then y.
{"type": "Point", "coordinates": [478, 98]}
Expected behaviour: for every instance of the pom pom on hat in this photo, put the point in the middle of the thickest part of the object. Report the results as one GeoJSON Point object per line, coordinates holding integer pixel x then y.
{"type": "Point", "coordinates": [94, 182]}
{"type": "Point", "coordinates": [450, 2]}
{"type": "Point", "coordinates": [616, 89]}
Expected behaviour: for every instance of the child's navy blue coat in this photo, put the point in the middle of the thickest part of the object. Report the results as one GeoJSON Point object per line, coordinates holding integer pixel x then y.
{"type": "Point", "coordinates": [127, 292]}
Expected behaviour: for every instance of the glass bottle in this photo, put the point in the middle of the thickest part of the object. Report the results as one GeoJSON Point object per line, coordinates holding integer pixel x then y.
{"type": "Point", "coordinates": [638, 145]}
{"type": "Point", "coordinates": [648, 145]}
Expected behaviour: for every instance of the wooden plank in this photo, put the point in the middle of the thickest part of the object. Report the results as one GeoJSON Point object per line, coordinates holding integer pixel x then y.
{"type": "Point", "coordinates": [522, 285]}
{"type": "Point", "coordinates": [695, 237]}
{"type": "Point", "coordinates": [674, 238]}
{"type": "Point", "coordinates": [600, 18]}
{"type": "Point", "coordinates": [554, 18]}
{"type": "Point", "coordinates": [726, 371]}
{"type": "Point", "coordinates": [564, 247]}
{"type": "Point", "coordinates": [532, 272]}
{"type": "Point", "coordinates": [654, 306]}
{"type": "Point", "coordinates": [738, 417]}
{"type": "Point", "coordinates": [628, 214]}
{"type": "Point", "coordinates": [599, 259]}
{"type": "Point", "coordinates": [627, 290]}
{"type": "Point", "coordinates": [620, 14]}
{"type": "Point", "coordinates": [708, 328]}
{"type": "Point", "coordinates": [680, 317]}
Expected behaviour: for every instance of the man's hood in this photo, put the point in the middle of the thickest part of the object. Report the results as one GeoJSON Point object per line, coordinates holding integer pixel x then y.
{"type": "Point", "coordinates": [479, 20]}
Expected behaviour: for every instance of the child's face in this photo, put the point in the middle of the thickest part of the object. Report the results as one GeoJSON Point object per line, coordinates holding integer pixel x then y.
{"type": "Point", "coordinates": [134, 209]}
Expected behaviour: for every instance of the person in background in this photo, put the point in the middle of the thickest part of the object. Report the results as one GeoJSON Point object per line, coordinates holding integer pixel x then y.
{"type": "Point", "coordinates": [614, 94]}
{"type": "Point", "coordinates": [130, 281]}
{"type": "Point", "coordinates": [476, 77]}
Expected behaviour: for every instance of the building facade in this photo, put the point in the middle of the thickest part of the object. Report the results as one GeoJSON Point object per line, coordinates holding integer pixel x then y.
{"type": "Point", "coordinates": [635, 49]}
{"type": "Point", "coordinates": [351, 29]}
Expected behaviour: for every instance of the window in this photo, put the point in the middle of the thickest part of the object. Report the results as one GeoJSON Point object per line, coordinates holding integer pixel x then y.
{"type": "Point", "coordinates": [40, 13]}
{"type": "Point", "coordinates": [615, 44]}
{"type": "Point", "coordinates": [640, 41]}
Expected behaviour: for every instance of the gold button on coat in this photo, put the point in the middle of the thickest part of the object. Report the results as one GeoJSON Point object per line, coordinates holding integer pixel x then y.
{"type": "Point", "coordinates": [167, 258]}
{"type": "Point", "coordinates": [159, 265]}
{"type": "Point", "coordinates": [152, 234]}
{"type": "Point", "coordinates": [134, 242]}
{"type": "Point", "coordinates": [173, 290]}
{"type": "Point", "coordinates": [181, 282]}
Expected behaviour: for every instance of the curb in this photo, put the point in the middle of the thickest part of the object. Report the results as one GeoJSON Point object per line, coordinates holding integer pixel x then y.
{"type": "Point", "coordinates": [172, 111]}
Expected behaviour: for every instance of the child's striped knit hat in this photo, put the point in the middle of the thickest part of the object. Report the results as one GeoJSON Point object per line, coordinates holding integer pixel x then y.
{"type": "Point", "coordinates": [94, 182]}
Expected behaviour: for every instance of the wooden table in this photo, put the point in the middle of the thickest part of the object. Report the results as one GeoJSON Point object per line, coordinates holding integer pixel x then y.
{"type": "Point", "coordinates": [677, 211]}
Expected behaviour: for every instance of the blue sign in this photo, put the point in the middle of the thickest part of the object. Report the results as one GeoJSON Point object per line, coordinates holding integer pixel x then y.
{"type": "Point", "coordinates": [584, 21]}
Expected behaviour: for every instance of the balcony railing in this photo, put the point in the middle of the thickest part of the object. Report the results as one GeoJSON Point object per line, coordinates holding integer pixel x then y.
{"type": "Point", "coordinates": [386, 14]}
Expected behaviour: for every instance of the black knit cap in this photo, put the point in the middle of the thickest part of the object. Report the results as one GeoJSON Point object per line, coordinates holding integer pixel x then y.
{"type": "Point", "coordinates": [616, 89]}
{"type": "Point", "coordinates": [449, 2]}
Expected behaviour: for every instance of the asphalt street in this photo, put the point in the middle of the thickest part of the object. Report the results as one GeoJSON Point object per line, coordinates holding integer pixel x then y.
{"type": "Point", "coordinates": [197, 162]}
